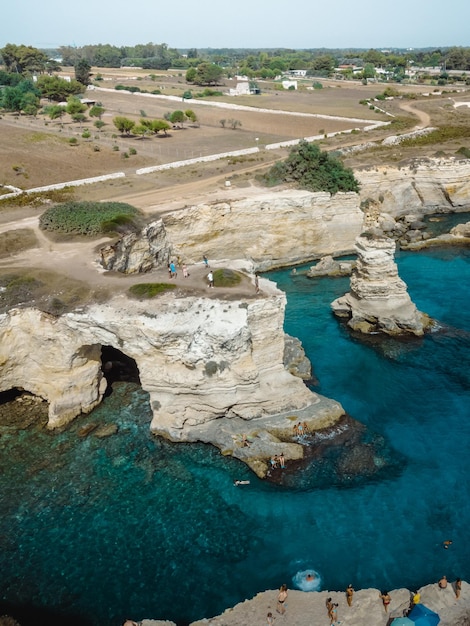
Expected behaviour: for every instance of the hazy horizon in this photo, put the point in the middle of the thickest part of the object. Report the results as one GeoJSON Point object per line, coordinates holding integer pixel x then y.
{"type": "Point", "coordinates": [262, 24]}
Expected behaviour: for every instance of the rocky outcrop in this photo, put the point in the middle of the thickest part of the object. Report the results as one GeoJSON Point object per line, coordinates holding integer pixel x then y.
{"type": "Point", "coordinates": [295, 359]}
{"type": "Point", "coordinates": [306, 608]}
{"type": "Point", "coordinates": [200, 359]}
{"type": "Point", "coordinates": [379, 300]}
{"type": "Point", "coordinates": [270, 229]}
{"type": "Point", "coordinates": [328, 266]}
{"type": "Point", "coordinates": [422, 187]}
{"type": "Point", "coordinates": [458, 236]}
{"type": "Point", "coordinates": [138, 252]}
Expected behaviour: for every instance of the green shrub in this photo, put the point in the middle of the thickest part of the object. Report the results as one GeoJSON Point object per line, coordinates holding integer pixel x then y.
{"type": "Point", "coordinates": [73, 141]}
{"type": "Point", "coordinates": [86, 134]}
{"type": "Point", "coordinates": [224, 277]}
{"type": "Point", "coordinates": [89, 218]}
{"type": "Point", "coordinates": [464, 152]}
{"type": "Point", "coordinates": [310, 168]}
{"type": "Point", "coordinates": [149, 290]}
{"type": "Point", "coordinates": [132, 151]}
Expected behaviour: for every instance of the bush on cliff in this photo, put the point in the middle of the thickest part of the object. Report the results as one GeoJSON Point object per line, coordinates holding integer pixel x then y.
{"type": "Point", "coordinates": [149, 290]}
{"type": "Point", "coordinates": [224, 277]}
{"type": "Point", "coordinates": [90, 218]}
{"type": "Point", "coordinates": [310, 168]}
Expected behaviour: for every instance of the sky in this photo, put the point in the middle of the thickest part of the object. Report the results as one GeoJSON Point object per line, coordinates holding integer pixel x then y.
{"type": "Point", "coordinates": [238, 24]}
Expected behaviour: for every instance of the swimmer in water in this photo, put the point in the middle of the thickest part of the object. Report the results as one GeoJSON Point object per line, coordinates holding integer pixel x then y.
{"type": "Point", "coordinates": [309, 577]}
{"type": "Point", "coordinates": [241, 482]}
{"type": "Point", "coordinates": [447, 543]}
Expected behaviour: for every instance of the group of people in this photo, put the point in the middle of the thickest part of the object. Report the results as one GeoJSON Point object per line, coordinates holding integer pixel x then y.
{"type": "Point", "coordinates": [278, 461]}
{"type": "Point", "coordinates": [173, 269]}
{"type": "Point", "coordinates": [300, 429]}
{"type": "Point", "coordinates": [443, 582]}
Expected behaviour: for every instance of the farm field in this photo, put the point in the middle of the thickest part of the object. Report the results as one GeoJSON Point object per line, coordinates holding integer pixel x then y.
{"type": "Point", "coordinates": [36, 151]}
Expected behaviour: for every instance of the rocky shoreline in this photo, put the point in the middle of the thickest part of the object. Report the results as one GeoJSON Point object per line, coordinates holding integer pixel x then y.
{"type": "Point", "coordinates": [307, 608]}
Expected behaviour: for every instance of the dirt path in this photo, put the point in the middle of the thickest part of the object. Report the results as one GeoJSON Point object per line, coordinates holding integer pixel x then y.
{"type": "Point", "coordinates": [424, 118]}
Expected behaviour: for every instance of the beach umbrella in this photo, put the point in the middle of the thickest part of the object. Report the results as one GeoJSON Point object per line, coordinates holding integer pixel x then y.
{"type": "Point", "coordinates": [422, 616]}
{"type": "Point", "coordinates": [402, 621]}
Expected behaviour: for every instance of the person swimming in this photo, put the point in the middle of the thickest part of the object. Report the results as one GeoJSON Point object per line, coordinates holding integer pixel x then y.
{"type": "Point", "coordinates": [241, 482]}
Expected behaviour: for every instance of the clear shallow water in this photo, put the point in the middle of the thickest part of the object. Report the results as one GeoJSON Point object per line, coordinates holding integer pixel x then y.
{"type": "Point", "coordinates": [130, 526]}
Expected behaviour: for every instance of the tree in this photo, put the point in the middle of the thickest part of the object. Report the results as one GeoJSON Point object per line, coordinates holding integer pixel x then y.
{"type": "Point", "coordinates": [191, 75]}
{"type": "Point", "coordinates": [82, 72]}
{"type": "Point", "coordinates": [55, 111]}
{"type": "Point", "coordinates": [142, 130]}
{"type": "Point", "coordinates": [23, 59]}
{"type": "Point", "coordinates": [124, 124]}
{"type": "Point", "coordinates": [30, 104]}
{"type": "Point", "coordinates": [74, 106]}
{"type": "Point", "coordinates": [311, 168]}
{"type": "Point", "coordinates": [22, 97]}
{"type": "Point", "coordinates": [58, 89]}
{"type": "Point", "coordinates": [208, 74]}
{"type": "Point", "coordinates": [158, 125]}
{"type": "Point", "coordinates": [97, 111]}
{"type": "Point", "coordinates": [191, 116]}
{"type": "Point", "coordinates": [177, 117]}
{"type": "Point", "coordinates": [99, 124]}
{"type": "Point", "coordinates": [368, 71]}
{"type": "Point", "coordinates": [79, 118]}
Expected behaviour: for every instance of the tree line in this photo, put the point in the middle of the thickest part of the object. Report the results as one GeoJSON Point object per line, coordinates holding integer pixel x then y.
{"type": "Point", "coordinates": [262, 63]}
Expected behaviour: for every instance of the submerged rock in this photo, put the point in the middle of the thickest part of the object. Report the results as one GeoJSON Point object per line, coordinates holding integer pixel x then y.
{"type": "Point", "coordinates": [328, 266]}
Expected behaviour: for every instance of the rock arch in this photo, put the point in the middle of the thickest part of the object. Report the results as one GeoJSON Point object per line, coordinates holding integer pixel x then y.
{"type": "Point", "coordinates": [118, 366]}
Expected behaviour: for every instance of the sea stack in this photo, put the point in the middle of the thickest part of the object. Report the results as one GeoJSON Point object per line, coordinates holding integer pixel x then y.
{"type": "Point", "coordinates": [378, 300]}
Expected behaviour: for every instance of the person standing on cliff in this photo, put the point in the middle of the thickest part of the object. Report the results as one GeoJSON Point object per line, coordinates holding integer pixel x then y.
{"type": "Point", "coordinates": [206, 262]}
{"type": "Point", "coordinates": [349, 594]}
{"type": "Point", "coordinates": [173, 272]}
{"type": "Point", "coordinates": [281, 599]}
{"type": "Point", "coordinates": [210, 278]}
{"type": "Point", "coordinates": [386, 599]}
{"type": "Point", "coordinates": [458, 588]}
{"type": "Point", "coordinates": [256, 283]}
{"type": "Point", "coordinates": [442, 584]}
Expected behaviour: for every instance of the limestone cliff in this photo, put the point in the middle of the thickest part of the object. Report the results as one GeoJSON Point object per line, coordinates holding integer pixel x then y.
{"type": "Point", "coordinates": [271, 229]}
{"type": "Point", "coordinates": [426, 186]}
{"type": "Point", "coordinates": [379, 300]}
{"type": "Point", "coordinates": [287, 227]}
{"type": "Point", "coordinates": [199, 359]}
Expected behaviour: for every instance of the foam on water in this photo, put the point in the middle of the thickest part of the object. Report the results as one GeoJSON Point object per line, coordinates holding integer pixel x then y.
{"type": "Point", "coordinates": [132, 526]}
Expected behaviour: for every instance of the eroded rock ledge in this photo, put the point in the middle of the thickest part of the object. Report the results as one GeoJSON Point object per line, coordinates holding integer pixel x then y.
{"type": "Point", "coordinates": [213, 368]}
{"type": "Point", "coordinates": [306, 608]}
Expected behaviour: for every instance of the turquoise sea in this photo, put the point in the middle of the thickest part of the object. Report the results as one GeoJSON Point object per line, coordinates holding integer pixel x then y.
{"type": "Point", "coordinates": [93, 531]}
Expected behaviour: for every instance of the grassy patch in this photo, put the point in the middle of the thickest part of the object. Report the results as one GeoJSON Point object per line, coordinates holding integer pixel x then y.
{"type": "Point", "coordinates": [47, 291]}
{"type": "Point", "coordinates": [224, 277]}
{"type": "Point", "coordinates": [90, 218]}
{"type": "Point", "coordinates": [149, 290]}
{"type": "Point", "coordinates": [440, 135]}
{"type": "Point", "coordinates": [15, 241]}
{"type": "Point", "coordinates": [37, 199]}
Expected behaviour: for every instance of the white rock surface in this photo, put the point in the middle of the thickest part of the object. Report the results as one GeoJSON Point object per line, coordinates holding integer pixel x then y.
{"type": "Point", "coordinates": [378, 300]}
{"type": "Point", "coordinates": [308, 608]}
{"type": "Point", "coordinates": [199, 358]}
{"type": "Point", "coordinates": [422, 188]}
